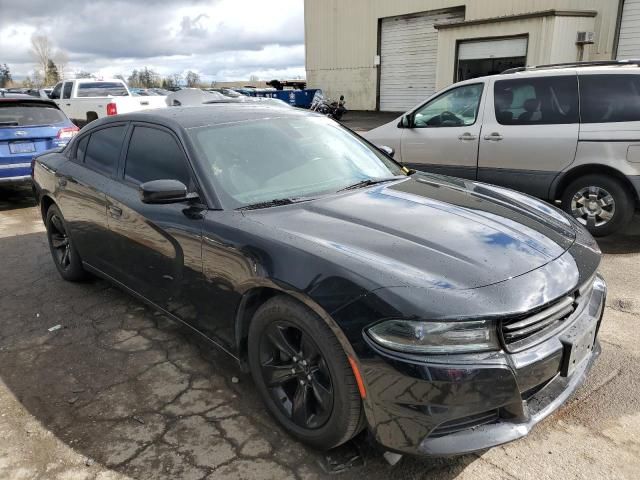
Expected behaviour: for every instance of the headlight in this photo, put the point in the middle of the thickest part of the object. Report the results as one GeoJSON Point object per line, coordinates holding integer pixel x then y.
{"type": "Point", "coordinates": [414, 336]}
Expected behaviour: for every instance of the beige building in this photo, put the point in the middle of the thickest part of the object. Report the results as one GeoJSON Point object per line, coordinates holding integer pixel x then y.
{"type": "Point", "coordinates": [391, 54]}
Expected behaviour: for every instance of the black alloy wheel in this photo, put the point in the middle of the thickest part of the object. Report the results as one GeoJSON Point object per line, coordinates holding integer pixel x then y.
{"type": "Point", "coordinates": [296, 375]}
{"type": "Point", "coordinates": [65, 256]}
{"type": "Point", "coordinates": [303, 374]}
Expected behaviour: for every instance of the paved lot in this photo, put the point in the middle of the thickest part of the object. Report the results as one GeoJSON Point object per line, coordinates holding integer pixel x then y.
{"type": "Point", "coordinates": [121, 392]}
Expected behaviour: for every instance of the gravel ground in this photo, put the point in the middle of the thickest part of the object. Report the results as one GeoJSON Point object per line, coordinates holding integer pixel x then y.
{"type": "Point", "coordinates": [121, 392]}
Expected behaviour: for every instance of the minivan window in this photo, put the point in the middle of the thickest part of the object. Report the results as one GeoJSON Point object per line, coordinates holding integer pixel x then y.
{"type": "Point", "coordinates": [155, 155]}
{"type": "Point", "coordinates": [103, 149]}
{"type": "Point", "coordinates": [609, 98]}
{"type": "Point", "coordinates": [66, 92]}
{"type": "Point", "coordinates": [536, 101]}
{"type": "Point", "coordinates": [457, 107]}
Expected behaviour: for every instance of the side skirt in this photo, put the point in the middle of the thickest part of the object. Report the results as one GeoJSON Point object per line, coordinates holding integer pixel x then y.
{"type": "Point", "coordinates": [144, 299]}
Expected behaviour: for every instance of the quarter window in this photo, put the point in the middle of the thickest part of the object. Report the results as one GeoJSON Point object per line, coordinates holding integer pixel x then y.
{"type": "Point", "coordinates": [610, 98]}
{"type": "Point", "coordinates": [103, 149]}
{"type": "Point", "coordinates": [81, 149]}
{"type": "Point", "coordinates": [536, 101]}
{"type": "Point", "coordinates": [155, 155]}
{"type": "Point", "coordinates": [455, 108]}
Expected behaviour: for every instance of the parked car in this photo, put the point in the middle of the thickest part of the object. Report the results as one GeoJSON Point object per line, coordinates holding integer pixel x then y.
{"type": "Point", "coordinates": [28, 126]}
{"type": "Point", "coordinates": [85, 100]}
{"type": "Point", "coordinates": [356, 295]}
{"type": "Point", "coordinates": [567, 133]}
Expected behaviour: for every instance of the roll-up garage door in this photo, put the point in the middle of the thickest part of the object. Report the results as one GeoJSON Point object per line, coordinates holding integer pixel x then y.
{"type": "Point", "coordinates": [629, 40]}
{"type": "Point", "coordinates": [408, 55]}
{"type": "Point", "coordinates": [501, 48]}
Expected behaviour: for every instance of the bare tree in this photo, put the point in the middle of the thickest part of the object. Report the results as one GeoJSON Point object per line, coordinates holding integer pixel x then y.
{"type": "Point", "coordinates": [37, 79]}
{"type": "Point", "coordinates": [42, 52]}
{"type": "Point", "coordinates": [192, 79]}
{"type": "Point", "coordinates": [253, 78]}
{"type": "Point", "coordinates": [176, 79]}
{"type": "Point", "coordinates": [62, 61]}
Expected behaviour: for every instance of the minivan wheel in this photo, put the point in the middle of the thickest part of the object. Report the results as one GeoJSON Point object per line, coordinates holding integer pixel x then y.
{"type": "Point", "coordinates": [303, 374]}
{"type": "Point", "coordinates": [602, 204]}
{"type": "Point", "coordinates": [65, 256]}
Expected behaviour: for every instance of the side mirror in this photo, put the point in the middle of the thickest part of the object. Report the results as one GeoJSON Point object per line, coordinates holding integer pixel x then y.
{"type": "Point", "coordinates": [164, 191]}
{"type": "Point", "coordinates": [406, 122]}
{"type": "Point", "coordinates": [388, 150]}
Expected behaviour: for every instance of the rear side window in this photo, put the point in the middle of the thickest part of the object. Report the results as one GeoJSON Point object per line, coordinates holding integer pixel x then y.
{"type": "Point", "coordinates": [536, 101]}
{"type": "Point", "coordinates": [66, 92]}
{"type": "Point", "coordinates": [15, 114]}
{"type": "Point", "coordinates": [610, 98]}
{"type": "Point", "coordinates": [101, 89]}
{"type": "Point", "coordinates": [103, 149]}
{"type": "Point", "coordinates": [155, 155]}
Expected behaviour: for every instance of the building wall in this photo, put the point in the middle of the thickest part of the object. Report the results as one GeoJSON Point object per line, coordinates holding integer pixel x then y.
{"type": "Point", "coordinates": [342, 37]}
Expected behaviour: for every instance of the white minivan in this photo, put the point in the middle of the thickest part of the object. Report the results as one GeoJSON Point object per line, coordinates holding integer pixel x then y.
{"type": "Point", "coordinates": [568, 133]}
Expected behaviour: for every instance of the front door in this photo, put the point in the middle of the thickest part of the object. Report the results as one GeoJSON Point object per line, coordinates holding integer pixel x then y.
{"type": "Point", "coordinates": [157, 248]}
{"type": "Point", "coordinates": [442, 135]}
{"type": "Point", "coordinates": [530, 132]}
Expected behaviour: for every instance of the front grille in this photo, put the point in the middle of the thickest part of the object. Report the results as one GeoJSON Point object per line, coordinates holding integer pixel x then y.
{"type": "Point", "coordinates": [520, 333]}
{"type": "Point", "coordinates": [465, 423]}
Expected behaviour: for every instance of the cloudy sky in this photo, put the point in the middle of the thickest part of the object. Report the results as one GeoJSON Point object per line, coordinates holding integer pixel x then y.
{"type": "Point", "coordinates": [219, 39]}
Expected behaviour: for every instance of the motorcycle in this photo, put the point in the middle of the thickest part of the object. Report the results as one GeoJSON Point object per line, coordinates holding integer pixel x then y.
{"type": "Point", "coordinates": [325, 106]}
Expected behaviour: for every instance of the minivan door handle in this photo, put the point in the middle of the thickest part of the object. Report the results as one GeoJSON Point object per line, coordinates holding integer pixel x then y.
{"type": "Point", "coordinates": [494, 137]}
{"type": "Point", "coordinates": [467, 136]}
{"type": "Point", "coordinates": [115, 212]}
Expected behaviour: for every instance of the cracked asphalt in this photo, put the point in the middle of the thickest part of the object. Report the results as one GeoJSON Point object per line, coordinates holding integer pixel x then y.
{"type": "Point", "coordinates": [119, 391]}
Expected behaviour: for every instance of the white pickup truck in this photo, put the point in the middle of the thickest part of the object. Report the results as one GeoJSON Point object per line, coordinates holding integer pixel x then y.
{"type": "Point", "coordinates": [87, 99]}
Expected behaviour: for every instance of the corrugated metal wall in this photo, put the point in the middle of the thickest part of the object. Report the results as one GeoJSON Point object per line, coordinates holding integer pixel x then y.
{"type": "Point", "coordinates": [342, 36]}
{"type": "Point", "coordinates": [629, 46]}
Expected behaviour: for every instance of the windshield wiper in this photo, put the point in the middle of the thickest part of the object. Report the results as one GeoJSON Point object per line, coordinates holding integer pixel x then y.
{"type": "Point", "coordinates": [368, 182]}
{"type": "Point", "coordinates": [278, 202]}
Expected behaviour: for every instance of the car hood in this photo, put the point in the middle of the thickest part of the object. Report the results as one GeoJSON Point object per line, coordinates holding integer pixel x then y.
{"type": "Point", "coordinates": [430, 231]}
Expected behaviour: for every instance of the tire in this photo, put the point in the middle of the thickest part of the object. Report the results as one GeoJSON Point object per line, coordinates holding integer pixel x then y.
{"type": "Point", "coordinates": [603, 190]}
{"type": "Point", "coordinates": [65, 256]}
{"type": "Point", "coordinates": [278, 322]}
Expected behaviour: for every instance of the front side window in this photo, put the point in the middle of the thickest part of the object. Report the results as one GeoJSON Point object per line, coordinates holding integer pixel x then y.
{"type": "Point", "coordinates": [155, 155]}
{"type": "Point", "coordinates": [66, 92]}
{"type": "Point", "coordinates": [455, 108]}
{"type": "Point", "coordinates": [286, 158]}
{"type": "Point", "coordinates": [103, 149]}
{"type": "Point", "coordinates": [610, 98]}
{"type": "Point", "coordinates": [536, 101]}
{"type": "Point", "coordinates": [55, 93]}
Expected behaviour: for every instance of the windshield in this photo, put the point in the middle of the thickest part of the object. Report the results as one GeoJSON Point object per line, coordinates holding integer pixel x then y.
{"type": "Point", "coordinates": [260, 161]}
{"type": "Point", "coordinates": [102, 89]}
{"type": "Point", "coordinates": [23, 115]}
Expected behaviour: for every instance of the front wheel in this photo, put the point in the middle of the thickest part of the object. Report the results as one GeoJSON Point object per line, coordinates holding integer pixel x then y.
{"type": "Point", "coordinates": [601, 203]}
{"type": "Point", "coordinates": [303, 374]}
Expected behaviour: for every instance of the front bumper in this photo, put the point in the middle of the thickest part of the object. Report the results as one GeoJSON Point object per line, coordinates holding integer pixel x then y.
{"type": "Point", "coordinates": [465, 403]}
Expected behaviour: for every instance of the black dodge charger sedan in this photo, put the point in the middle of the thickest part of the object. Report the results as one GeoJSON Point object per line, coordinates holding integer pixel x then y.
{"type": "Point", "coordinates": [444, 315]}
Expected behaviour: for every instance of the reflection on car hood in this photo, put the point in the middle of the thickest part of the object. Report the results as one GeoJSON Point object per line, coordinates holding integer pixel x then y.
{"type": "Point", "coordinates": [433, 231]}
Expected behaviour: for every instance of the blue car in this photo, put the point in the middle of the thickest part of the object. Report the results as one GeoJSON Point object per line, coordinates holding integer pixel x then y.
{"type": "Point", "coordinates": [29, 126]}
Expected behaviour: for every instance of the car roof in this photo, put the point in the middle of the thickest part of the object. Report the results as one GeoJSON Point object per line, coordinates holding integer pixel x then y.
{"type": "Point", "coordinates": [209, 114]}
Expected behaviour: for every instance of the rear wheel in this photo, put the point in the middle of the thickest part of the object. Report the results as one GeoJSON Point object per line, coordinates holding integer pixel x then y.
{"type": "Point", "coordinates": [601, 203]}
{"type": "Point", "coordinates": [303, 374]}
{"type": "Point", "coordinates": [64, 254]}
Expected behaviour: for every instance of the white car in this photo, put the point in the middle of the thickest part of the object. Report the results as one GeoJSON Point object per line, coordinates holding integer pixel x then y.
{"type": "Point", "coordinates": [87, 99]}
{"type": "Point", "coordinates": [568, 133]}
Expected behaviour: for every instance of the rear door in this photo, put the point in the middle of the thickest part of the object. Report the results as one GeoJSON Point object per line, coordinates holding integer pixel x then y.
{"type": "Point", "coordinates": [443, 134]}
{"type": "Point", "coordinates": [530, 131]}
{"type": "Point", "coordinates": [81, 192]}
{"type": "Point", "coordinates": [157, 247]}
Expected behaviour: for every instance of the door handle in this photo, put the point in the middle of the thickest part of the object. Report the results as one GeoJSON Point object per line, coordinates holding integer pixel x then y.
{"type": "Point", "coordinates": [68, 104]}
{"type": "Point", "coordinates": [467, 136]}
{"type": "Point", "coordinates": [115, 212]}
{"type": "Point", "coordinates": [494, 137]}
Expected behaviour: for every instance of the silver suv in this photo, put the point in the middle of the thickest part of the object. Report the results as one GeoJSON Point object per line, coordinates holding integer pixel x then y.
{"type": "Point", "coordinates": [568, 133]}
